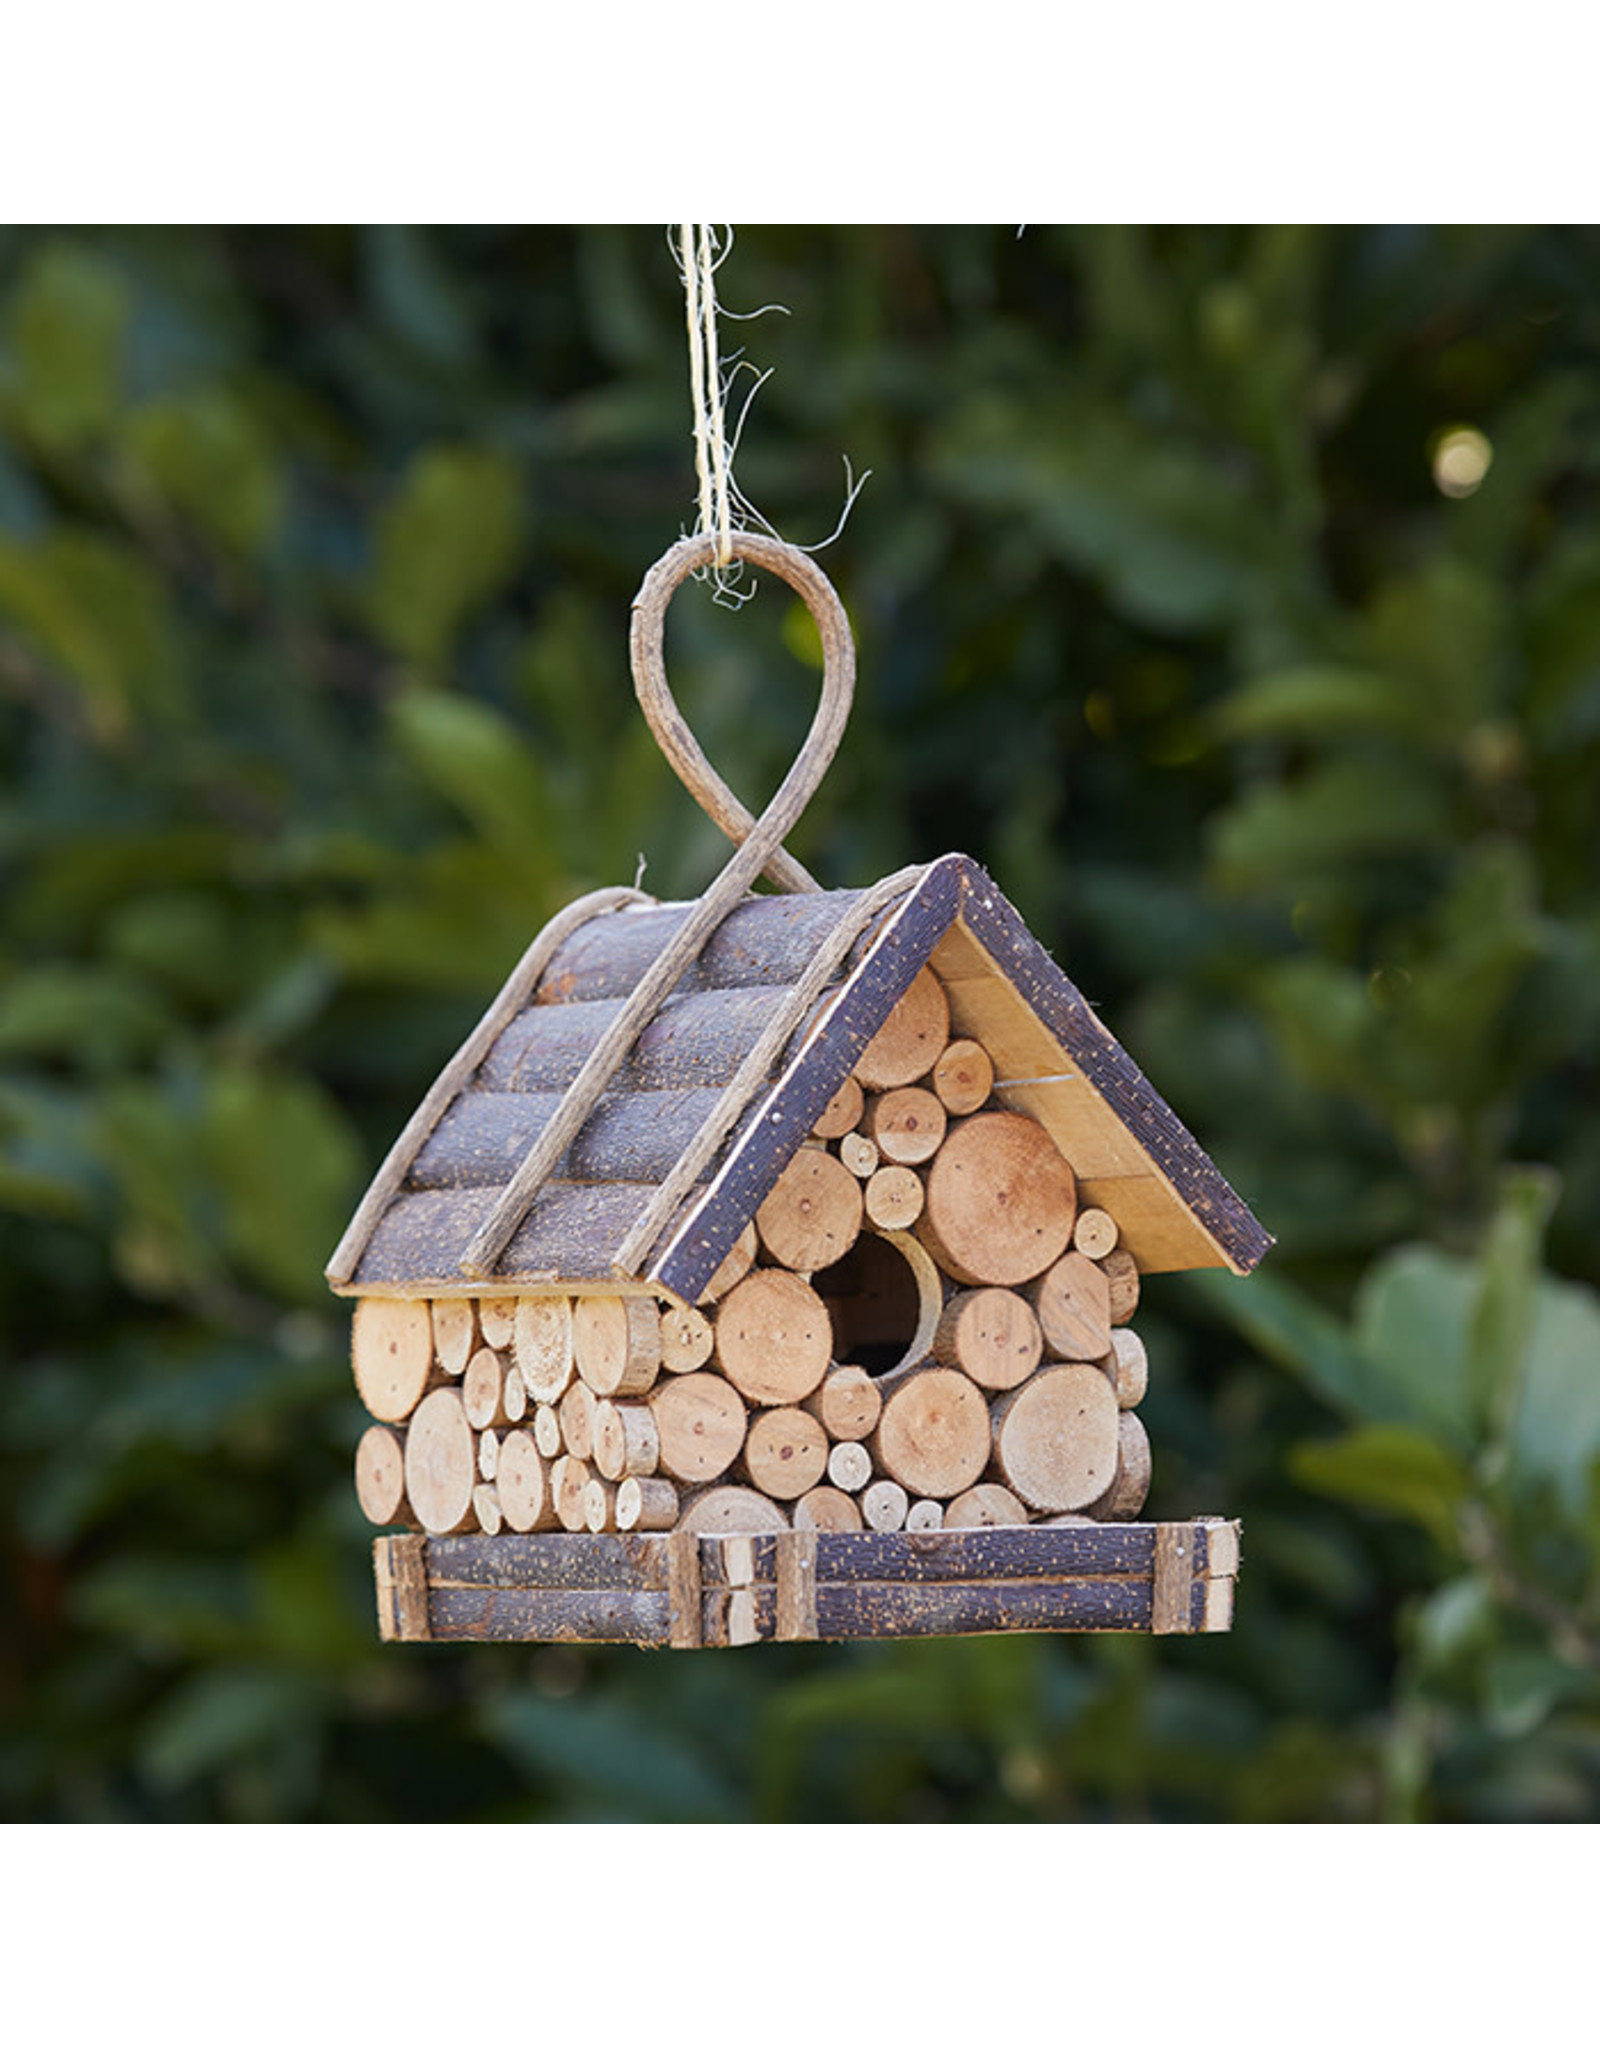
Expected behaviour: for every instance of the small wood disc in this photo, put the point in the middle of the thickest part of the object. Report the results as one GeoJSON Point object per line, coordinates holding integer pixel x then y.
{"type": "Point", "coordinates": [542, 1345]}
{"type": "Point", "coordinates": [498, 1322]}
{"type": "Point", "coordinates": [524, 1484]}
{"type": "Point", "coordinates": [907, 1125]}
{"type": "Point", "coordinates": [569, 1482]}
{"type": "Point", "coordinates": [985, 1507]}
{"type": "Point", "coordinates": [381, 1476]}
{"type": "Point", "coordinates": [1094, 1234]}
{"type": "Point", "coordinates": [786, 1452]}
{"type": "Point", "coordinates": [843, 1112]}
{"type": "Point", "coordinates": [894, 1198]}
{"type": "Point", "coordinates": [1129, 1367]}
{"type": "Point", "coordinates": [911, 1040]}
{"type": "Point", "coordinates": [848, 1403]}
{"type": "Point", "coordinates": [733, 1511]}
{"type": "Point", "coordinates": [1073, 1303]}
{"type": "Point", "coordinates": [934, 1436]}
{"type": "Point", "coordinates": [687, 1340]}
{"type": "Point", "coordinates": [441, 1463]}
{"type": "Point", "coordinates": [486, 1508]}
{"type": "Point", "coordinates": [813, 1215]}
{"type": "Point", "coordinates": [1001, 1201]}
{"type": "Point", "coordinates": [774, 1339]}
{"type": "Point", "coordinates": [547, 1433]}
{"type": "Point", "coordinates": [963, 1076]}
{"type": "Point", "coordinates": [925, 1514]}
{"type": "Point", "coordinates": [1122, 1276]}
{"type": "Point", "coordinates": [627, 1444]}
{"type": "Point", "coordinates": [646, 1504]}
{"type": "Point", "coordinates": [992, 1334]}
{"type": "Point", "coordinates": [825, 1507]}
{"type": "Point", "coordinates": [616, 1342]}
{"type": "Point", "coordinates": [700, 1426]}
{"type": "Point", "coordinates": [1055, 1438]}
{"type": "Point", "coordinates": [858, 1155]}
{"type": "Point", "coordinates": [885, 1505]}
{"type": "Point", "coordinates": [849, 1466]}
{"type": "Point", "coordinates": [577, 1419]}
{"type": "Point", "coordinates": [453, 1332]}
{"type": "Point", "coordinates": [488, 1454]}
{"type": "Point", "coordinates": [1126, 1494]}
{"type": "Point", "coordinates": [599, 1506]}
{"type": "Point", "coordinates": [483, 1388]}
{"type": "Point", "coordinates": [391, 1355]}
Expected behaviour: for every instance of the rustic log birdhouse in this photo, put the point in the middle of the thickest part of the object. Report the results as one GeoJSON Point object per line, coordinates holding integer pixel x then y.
{"type": "Point", "coordinates": [766, 1267]}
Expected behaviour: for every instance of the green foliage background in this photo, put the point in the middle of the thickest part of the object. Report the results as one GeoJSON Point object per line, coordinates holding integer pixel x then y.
{"type": "Point", "coordinates": [316, 549]}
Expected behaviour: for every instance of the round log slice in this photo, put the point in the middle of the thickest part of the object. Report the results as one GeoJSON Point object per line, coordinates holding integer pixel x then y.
{"type": "Point", "coordinates": [733, 1511]}
{"type": "Point", "coordinates": [1125, 1496]}
{"type": "Point", "coordinates": [1073, 1304]}
{"type": "Point", "coordinates": [381, 1476]}
{"type": "Point", "coordinates": [391, 1355]}
{"type": "Point", "coordinates": [441, 1463]}
{"type": "Point", "coordinates": [992, 1334]}
{"type": "Point", "coordinates": [1129, 1367]}
{"type": "Point", "coordinates": [542, 1345]}
{"type": "Point", "coordinates": [847, 1404]}
{"type": "Point", "coordinates": [616, 1342]}
{"type": "Point", "coordinates": [524, 1482]}
{"type": "Point", "coordinates": [700, 1426]}
{"type": "Point", "coordinates": [813, 1214]}
{"type": "Point", "coordinates": [907, 1125]}
{"type": "Point", "coordinates": [1122, 1275]}
{"type": "Point", "coordinates": [785, 1453]}
{"type": "Point", "coordinates": [1055, 1438]}
{"type": "Point", "coordinates": [985, 1507]}
{"type": "Point", "coordinates": [963, 1076]}
{"type": "Point", "coordinates": [916, 1031]}
{"type": "Point", "coordinates": [825, 1507]}
{"type": "Point", "coordinates": [934, 1436]}
{"type": "Point", "coordinates": [453, 1329]}
{"type": "Point", "coordinates": [1001, 1201]}
{"type": "Point", "coordinates": [774, 1339]}
{"type": "Point", "coordinates": [687, 1339]}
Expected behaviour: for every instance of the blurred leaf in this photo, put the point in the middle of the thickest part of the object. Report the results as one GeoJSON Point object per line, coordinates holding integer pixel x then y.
{"type": "Point", "coordinates": [1276, 838]}
{"type": "Point", "coordinates": [1397, 1471]}
{"type": "Point", "coordinates": [1306, 703]}
{"type": "Point", "coordinates": [624, 1757]}
{"type": "Point", "coordinates": [446, 542]}
{"type": "Point", "coordinates": [67, 324]}
{"type": "Point", "coordinates": [475, 757]}
{"type": "Point", "coordinates": [210, 457]}
{"type": "Point", "coordinates": [101, 618]}
{"type": "Point", "coordinates": [220, 1716]}
{"type": "Point", "coordinates": [1556, 1431]}
{"type": "Point", "coordinates": [91, 1015]}
{"type": "Point", "coordinates": [1413, 1320]}
{"type": "Point", "coordinates": [286, 1165]}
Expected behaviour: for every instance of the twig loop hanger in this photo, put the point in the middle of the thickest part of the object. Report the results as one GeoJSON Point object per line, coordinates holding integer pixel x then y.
{"type": "Point", "coordinates": [679, 744]}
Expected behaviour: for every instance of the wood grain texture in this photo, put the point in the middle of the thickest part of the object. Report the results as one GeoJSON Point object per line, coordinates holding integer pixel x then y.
{"type": "Point", "coordinates": [400, 1571]}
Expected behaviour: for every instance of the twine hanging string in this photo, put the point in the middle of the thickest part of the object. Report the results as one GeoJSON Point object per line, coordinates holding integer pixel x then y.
{"type": "Point", "coordinates": [697, 260]}
{"type": "Point", "coordinates": [723, 509]}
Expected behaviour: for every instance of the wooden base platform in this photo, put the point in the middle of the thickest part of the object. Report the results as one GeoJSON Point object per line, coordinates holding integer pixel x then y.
{"type": "Point", "coordinates": [682, 1591]}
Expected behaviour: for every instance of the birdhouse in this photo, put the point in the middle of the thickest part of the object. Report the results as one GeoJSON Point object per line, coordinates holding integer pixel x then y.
{"type": "Point", "coordinates": [780, 1281]}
